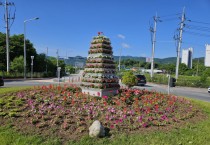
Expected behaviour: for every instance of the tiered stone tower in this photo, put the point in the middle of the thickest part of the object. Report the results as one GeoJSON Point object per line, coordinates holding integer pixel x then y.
{"type": "Point", "coordinates": [99, 77]}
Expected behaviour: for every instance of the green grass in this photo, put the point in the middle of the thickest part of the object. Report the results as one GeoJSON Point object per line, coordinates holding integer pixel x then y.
{"type": "Point", "coordinates": [10, 137]}
{"type": "Point", "coordinates": [13, 89]}
{"type": "Point", "coordinates": [198, 134]}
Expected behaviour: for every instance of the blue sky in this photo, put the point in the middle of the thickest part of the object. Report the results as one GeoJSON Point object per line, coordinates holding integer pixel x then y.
{"type": "Point", "coordinates": [69, 25]}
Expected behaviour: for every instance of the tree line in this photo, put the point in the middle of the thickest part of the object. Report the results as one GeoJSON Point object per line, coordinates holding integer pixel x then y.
{"type": "Point", "coordinates": [46, 65]}
{"type": "Point", "coordinates": [198, 67]}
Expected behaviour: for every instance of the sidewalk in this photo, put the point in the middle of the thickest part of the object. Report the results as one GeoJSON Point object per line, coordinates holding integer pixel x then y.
{"type": "Point", "coordinates": [29, 79]}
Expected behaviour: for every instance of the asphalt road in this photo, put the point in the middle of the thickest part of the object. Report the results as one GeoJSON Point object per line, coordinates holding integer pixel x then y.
{"type": "Point", "coordinates": [195, 93]}
{"type": "Point", "coordinates": [14, 83]}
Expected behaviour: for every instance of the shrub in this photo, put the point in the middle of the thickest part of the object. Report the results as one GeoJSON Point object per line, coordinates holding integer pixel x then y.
{"type": "Point", "coordinates": [129, 79]}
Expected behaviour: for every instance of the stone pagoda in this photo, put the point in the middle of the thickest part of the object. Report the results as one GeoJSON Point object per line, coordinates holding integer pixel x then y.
{"type": "Point", "coordinates": [99, 77]}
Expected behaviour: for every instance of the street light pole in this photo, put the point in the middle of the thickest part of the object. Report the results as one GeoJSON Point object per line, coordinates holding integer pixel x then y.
{"type": "Point", "coordinates": [120, 58]}
{"type": "Point", "coordinates": [25, 44]}
{"type": "Point", "coordinates": [32, 64]}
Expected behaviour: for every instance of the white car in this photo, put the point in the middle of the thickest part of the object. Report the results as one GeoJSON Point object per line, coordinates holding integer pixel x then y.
{"type": "Point", "coordinates": [209, 89]}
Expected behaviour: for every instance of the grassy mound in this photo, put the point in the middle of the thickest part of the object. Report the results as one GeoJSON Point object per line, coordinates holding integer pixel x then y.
{"type": "Point", "coordinates": [66, 113]}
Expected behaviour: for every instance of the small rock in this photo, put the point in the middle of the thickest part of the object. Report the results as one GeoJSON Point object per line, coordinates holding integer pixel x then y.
{"type": "Point", "coordinates": [96, 129]}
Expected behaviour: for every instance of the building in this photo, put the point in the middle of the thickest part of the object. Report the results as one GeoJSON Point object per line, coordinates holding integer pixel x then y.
{"type": "Point", "coordinates": [207, 56]}
{"type": "Point", "coordinates": [77, 61]}
{"type": "Point", "coordinates": [187, 57]}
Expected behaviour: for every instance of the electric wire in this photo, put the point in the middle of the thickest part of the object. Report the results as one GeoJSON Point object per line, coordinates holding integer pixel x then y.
{"type": "Point", "coordinates": [197, 34]}
{"type": "Point", "coordinates": [199, 22]}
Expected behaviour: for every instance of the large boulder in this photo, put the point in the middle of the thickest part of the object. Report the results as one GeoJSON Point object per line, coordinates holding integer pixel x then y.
{"type": "Point", "coordinates": [96, 129]}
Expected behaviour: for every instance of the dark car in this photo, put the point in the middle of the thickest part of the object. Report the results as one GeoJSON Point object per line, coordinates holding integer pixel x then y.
{"type": "Point", "coordinates": [141, 80]}
{"type": "Point", "coordinates": [1, 81]}
{"type": "Point", "coordinates": [209, 89]}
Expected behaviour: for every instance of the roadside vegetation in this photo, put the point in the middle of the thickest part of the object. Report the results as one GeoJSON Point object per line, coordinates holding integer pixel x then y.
{"type": "Point", "coordinates": [187, 81]}
{"type": "Point", "coordinates": [56, 115]}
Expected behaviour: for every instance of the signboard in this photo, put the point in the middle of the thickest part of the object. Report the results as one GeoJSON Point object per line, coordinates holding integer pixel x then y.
{"type": "Point", "coordinates": [148, 59]}
{"type": "Point", "coordinates": [207, 57]}
{"type": "Point", "coordinates": [79, 64]}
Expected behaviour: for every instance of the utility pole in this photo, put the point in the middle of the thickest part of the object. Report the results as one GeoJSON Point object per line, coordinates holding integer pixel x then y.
{"type": "Point", "coordinates": [153, 30]}
{"type": "Point", "coordinates": [120, 59]}
{"type": "Point", "coordinates": [179, 42]}
{"type": "Point", "coordinates": [7, 21]}
{"type": "Point", "coordinates": [57, 61]}
{"type": "Point", "coordinates": [46, 58]}
{"type": "Point", "coordinates": [197, 67]}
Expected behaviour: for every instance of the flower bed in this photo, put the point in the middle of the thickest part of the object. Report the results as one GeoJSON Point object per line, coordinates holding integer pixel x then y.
{"type": "Point", "coordinates": [68, 112]}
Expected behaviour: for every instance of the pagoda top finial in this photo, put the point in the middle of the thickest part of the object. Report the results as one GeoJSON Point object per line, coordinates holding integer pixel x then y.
{"type": "Point", "coordinates": [100, 33]}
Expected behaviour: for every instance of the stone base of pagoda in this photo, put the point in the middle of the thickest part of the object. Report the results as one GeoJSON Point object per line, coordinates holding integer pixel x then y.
{"type": "Point", "coordinates": [100, 92]}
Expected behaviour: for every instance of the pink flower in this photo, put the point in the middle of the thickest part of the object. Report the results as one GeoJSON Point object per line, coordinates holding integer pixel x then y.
{"type": "Point", "coordinates": [105, 97]}
{"type": "Point", "coordinates": [145, 125]}
{"type": "Point", "coordinates": [112, 126]}
{"type": "Point", "coordinates": [98, 93]}
{"type": "Point", "coordinates": [140, 118]}
{"type": "Point", "coordinates": [117, 121]}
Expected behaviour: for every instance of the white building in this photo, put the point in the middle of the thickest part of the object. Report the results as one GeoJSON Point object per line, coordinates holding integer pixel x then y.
{"type": "Point", "coordinates": [187, 56]}
{"type": "Point", "coordinates": [207, 56]}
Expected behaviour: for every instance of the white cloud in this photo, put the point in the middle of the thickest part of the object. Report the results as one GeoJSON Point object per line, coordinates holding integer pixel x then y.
{"type": "Point", "coordinates": [124, 45]}
{"type": "Point", "coordinates": [121, 36]}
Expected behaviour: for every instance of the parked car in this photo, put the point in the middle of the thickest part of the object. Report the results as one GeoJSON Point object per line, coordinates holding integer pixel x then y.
{"type": "Point", "coordinates": [141, 80]}
{"type": "Point", "coordinates": [209, 89]}
{"type": "Point", "coordinates": [1, 81]}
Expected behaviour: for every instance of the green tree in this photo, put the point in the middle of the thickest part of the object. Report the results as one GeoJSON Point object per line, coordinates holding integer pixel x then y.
{"type": "Point", "coordinates": [40, 62]}
{"type": "Point", "coordinates": [17, 64]}
{"type": "Point", "coordinates": [129, 79]}
{"type": "Point", "coordinates": [183, 68]}
{"type": "Point", "coordinates": [16, 49]}
{"type": "Point", "coordinates": [52, 66]}
{"type": "Point", "coordinates": [2, 51]}
{"type": "Point", "coordinates": [70, 69]}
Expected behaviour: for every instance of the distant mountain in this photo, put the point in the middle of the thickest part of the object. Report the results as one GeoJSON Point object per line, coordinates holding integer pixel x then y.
{"type": "Point", "coordinates": [169, 60]}
{"type": "Point", "coordinates": [143, 59]}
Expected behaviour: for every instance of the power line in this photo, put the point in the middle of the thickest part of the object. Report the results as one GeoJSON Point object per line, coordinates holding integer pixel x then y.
{"type": "Point", "coordinates": [198, 34]}
{"type": "Point", "coordinates": [196, 29]}
{"type": "Point", "coordinates": [169, 19]}
{"type": "Point", "coordinates": [199, 22]}
{"type": "Point", "coordinates": [171, 15]}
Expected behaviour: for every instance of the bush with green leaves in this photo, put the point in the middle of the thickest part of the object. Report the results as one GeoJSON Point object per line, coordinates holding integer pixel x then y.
{"type": "Point", "coordinates": [129, 79]}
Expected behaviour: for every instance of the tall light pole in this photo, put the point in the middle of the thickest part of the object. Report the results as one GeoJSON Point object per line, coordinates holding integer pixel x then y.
{"type": "Point", "coordinates": [120, 58]}
{"type": "Point", "coordinates": [46, 59]}
{"type": "Point", "coordinates": [32, 64]}
{"type": "Point", "coordinates": [36, 18]}
{"type": "Point", "coordinates": [57, 61]}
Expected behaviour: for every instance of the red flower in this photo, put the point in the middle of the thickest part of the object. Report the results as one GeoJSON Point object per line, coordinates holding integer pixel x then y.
{"type": "Point", "coordinates": [72, 102]}
{"type": "Point", "coordinates": [98, 93]}
{"type": "Point", "coordinates": [105, 103]}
